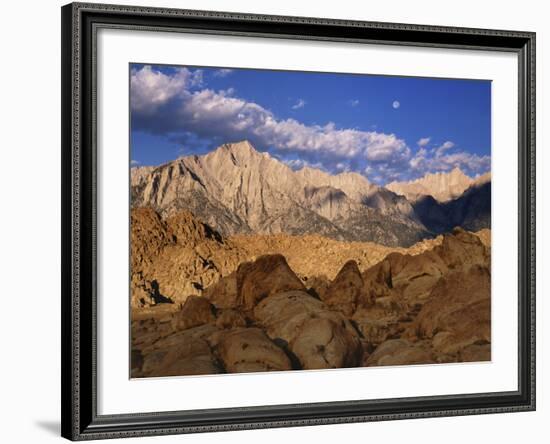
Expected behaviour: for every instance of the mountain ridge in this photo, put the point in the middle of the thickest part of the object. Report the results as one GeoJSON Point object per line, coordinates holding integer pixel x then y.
{"type": "Point", "coordinates": [442, 186]}
{"type": "Point", "coordinates": [239, 190]}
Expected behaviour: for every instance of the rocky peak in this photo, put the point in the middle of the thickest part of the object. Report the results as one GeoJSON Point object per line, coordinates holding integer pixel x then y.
{"type": "Point", "coordinates": [353, 177]}
{"type": "Point", "coordinates": [457, 176]}
{"type": "Point", "coordinates": [240, 151]}
{"type": "Point", "coordinates": [356, 186]}
{"type": "Point", "coordinates": [442, 186]}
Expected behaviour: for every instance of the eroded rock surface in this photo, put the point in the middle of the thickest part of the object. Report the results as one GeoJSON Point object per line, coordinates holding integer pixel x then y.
{"type": "Point", "coordinates": [267, 275]}
{"type": "Point", "coordinates": [250, 350]}
{"type": "Point", "coordinates": [458, 313]}
{"type": "Point", "coordinates": [426, 305]}
{"type": "Point", "coordinates": [182, 353]}
{"type": "Point", "coordinates": [346, 292]}
{"type": "Point", "coordinates": [195, 311]}
{"type": "Point", "coordinates": [317, 336]}
{"type": "Point", "coordinates": [401, 352]}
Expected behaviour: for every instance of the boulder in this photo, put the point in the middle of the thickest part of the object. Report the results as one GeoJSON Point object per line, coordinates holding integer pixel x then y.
{"type": "Point", "coordinates": [196, 310]}
{"type": "Point", "coordinates": [223, 294]}
{"type": "Point", "coordinates": [325, 343]}
{"type": "Point", "coordinates": [417, 275]}
{"type": "Point", "coordinates": [377, 281]}
{"type": "Point", "coordinates": [475, 353]}
{"type": "Point", "coordinates": [267, 275]}
{"type": "Point", "coordinates": [150, 324]}
{"type": "Point", "coordinates": [400, 352]}
{"type": "Point", "coordinates": [228, 319]}
{"type": "Point", "coordinates": [458, 313]}
{"type": "Point", "coordinates": [346, 290]}
{"type": "Point", "coordinates": [414, 276]}
{"type": "Point", "coordinates": [183, 353]}
{"type": "Point", "coordinates": [317, 336]}
{"type": "Point", "coordinates": [250, 350]}
{"type": "Point", "coordinates": [384, 319]}
{"type": "Point", "coordinates": [461, 249]}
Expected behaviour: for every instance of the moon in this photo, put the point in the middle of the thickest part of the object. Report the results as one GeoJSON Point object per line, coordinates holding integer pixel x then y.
{"type": "Point", "coordinates": [395, 104]}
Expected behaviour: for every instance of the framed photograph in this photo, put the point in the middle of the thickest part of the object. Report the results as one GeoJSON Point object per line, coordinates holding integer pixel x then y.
{"type": "Point", "coordinates": [281, 221]}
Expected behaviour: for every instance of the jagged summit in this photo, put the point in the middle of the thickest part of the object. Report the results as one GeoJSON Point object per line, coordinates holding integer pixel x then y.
{"type": "Point", "coordinates": [442, 186]}
{"type": "Point", "coordinates": [241, 153]}
{"type": "Point", "coordinates": [244, 147]}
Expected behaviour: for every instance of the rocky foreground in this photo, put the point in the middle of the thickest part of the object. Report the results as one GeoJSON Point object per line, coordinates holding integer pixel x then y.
{"type": "Point", "coordinates": [240, 312]}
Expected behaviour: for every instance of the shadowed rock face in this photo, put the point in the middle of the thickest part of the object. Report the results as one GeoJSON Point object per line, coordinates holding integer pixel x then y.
{"type": "Point", "coordinates": [267, 275]}
{"type": "Point", "coordinates": [346, 292]}
{"type": "Point", "coordinates": [471, 210]}
{"type": "Point", "coordinates": [420, 306]}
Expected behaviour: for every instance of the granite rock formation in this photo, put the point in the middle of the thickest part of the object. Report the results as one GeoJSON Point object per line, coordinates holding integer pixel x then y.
{"type": "Point", "coordinates": [424, 308]}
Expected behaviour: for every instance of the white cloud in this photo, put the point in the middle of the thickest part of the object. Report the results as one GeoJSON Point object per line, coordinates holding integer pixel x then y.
{"type": "Point", "coordinates": [134, 162]}
{"type": "Point", "coordinates": [354, 102]}
{"type": "Point", "coordinates": [152, 89]}
{"type": "Point", "coordinates": [178, 104]}
{"type": "Point", "coordinates": [224, 72]}
{"type": "Point", "coordinates": [423, 141]}
{"type": "Point", "coordinates": [300, 103]}
{"type": "Point", "coordinates": [342, 167]}
{"type": "Point", "coordinates": [298, 164]}
{"type": "Point", "coordinates": [444, 147]}
{"type": "Point", "coordinates": [208, 113]}
{"type": "Point", "coordinates": [386, 147]}
{"type": "Point", "coordinates": [472, 163]}
{"type": "Point", "coordinates": [395, 104]}
{"type": "Point", "coordinates": [429, 161]}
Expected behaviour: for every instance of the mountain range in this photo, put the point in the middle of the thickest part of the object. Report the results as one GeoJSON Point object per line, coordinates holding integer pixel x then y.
{"type": "Point", "coordinates": [237, 190]}
{"type": "Point", "coordinates": [441, 186]}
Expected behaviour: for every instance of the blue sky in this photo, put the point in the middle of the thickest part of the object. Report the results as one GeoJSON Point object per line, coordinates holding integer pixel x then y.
{"type": "Point", "coordinates": [386, 128]}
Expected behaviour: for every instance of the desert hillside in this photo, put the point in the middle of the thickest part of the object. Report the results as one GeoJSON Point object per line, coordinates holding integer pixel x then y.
{"type": "Point", "coordinates": [206, 303]}
{"type": "Point", "coordinates": [184, 256]}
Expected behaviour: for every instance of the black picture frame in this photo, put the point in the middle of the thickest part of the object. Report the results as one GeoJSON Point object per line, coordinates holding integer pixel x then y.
{"type": "Point", "coordinates": [80, 22]}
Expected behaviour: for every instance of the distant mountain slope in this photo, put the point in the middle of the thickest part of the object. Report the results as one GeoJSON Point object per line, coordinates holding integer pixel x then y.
{"type": "Point", "coordinates": [237, 189]}
{"type": "Point", "coordinates": [441, 186]}
{"type": "Point", "coordinates": [359, 189]}
{"type": "Point", "coordinates": [472, 210]}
